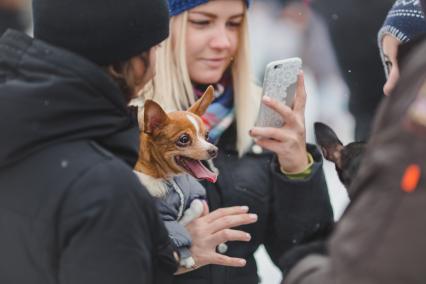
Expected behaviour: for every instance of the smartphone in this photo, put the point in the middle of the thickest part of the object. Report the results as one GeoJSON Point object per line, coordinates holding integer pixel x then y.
{"type": "Point", "coordinates": [280, 84]}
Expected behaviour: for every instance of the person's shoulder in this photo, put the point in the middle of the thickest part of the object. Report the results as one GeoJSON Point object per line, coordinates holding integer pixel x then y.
{"type": "Point", "coordinates": [104, 181]}
{"type": "Point", "coordinates": [94, 172]}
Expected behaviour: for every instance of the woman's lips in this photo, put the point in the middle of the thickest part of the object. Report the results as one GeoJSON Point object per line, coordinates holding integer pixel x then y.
{"type": "Point", "coordinates": [214, 62]}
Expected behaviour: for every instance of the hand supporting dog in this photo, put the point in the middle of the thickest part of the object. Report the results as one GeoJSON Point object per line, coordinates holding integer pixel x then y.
{"type": "Point", "coordinates": [214, 228]}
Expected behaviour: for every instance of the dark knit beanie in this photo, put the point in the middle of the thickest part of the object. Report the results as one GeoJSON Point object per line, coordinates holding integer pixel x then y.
{"type": "Point", "coordinates": [405, 21]}
{"type": "Point", "coordinates": [179, 6]}
{"type": "Point", "coordinates": [103, 31]}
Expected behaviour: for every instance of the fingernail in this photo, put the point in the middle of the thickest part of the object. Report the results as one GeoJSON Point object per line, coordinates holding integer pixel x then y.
{"type": "Point", "coordinates": [244, 208]}
{"type": "Point", "coordinates": [253, 216]}
{"type": "Point", "coordinates": [242, 262]}
{"type": "Point", "coordinates": [266, 99]}
{"type": "Point", "coordinates": [248, 237]}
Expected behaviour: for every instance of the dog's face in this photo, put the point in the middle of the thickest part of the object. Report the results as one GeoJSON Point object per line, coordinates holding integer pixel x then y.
{"type": "Point", "coordinates": [178, 140]}
{"type": "Point", "coordinates": [346, 158]}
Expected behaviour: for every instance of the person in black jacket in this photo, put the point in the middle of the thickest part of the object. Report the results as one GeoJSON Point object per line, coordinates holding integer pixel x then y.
{"type": "Point", "coordinates": [71, 209]}
{"type": "Point", "coordinates": [280, 180]}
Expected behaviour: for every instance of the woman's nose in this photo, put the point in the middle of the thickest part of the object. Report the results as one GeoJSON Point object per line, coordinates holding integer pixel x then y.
{"type": "Point", "coordinates": [391, 81]}
{"type": "Point", "coordinates": [220, 39]}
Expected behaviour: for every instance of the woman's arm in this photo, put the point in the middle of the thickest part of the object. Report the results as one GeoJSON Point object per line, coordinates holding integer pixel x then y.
{"type": "Point", "coordinates": [301, 208]}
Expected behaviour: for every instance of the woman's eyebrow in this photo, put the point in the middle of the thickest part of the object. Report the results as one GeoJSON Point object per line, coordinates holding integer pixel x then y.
{"type": "Point", "coordinates": [207, 14]}
{"type": "Point", "coordinates": [211, 15]}
{"type": "Point", "coordinates": [237, 16]}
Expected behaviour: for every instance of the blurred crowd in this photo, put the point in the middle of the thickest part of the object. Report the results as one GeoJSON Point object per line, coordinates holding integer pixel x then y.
{"type": "Point", "coordinates": [337, 41]}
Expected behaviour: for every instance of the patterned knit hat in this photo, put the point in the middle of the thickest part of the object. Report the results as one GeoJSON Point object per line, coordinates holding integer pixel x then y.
{"type": "Point", "coordinates": [405, 21]}
{"type": "Point", "coordinates": [178, 6]}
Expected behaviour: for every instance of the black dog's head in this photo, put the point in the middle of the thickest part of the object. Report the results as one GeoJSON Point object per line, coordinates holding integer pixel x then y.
{"type": "Point", "coordinates": [346, 158]}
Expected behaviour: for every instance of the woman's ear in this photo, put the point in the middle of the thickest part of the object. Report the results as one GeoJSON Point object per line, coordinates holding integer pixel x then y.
{"type": "Point", "coordinates": [201, 105]}
{"type": "Point", "coordinates": [138, 66]}
{"type": "Point", "coordinates": [154, 117]}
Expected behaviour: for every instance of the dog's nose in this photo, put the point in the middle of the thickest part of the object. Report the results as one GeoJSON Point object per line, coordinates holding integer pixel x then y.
{"type": "Point", "coordinates": [212, 152]}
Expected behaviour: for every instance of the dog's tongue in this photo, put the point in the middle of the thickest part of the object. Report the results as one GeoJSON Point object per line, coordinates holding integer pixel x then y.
{"type": "Point", "coordinates": [200, 171]}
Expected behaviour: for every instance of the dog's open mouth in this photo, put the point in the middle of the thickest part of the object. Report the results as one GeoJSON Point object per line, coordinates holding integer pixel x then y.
{"type": "Point", "coordinates": [196, 168]}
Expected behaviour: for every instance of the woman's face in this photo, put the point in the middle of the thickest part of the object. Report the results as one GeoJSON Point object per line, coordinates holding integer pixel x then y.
{"type": "Point", "coordinates": [212, 39]}
{"type": "Point", "coordinates": [390, 52]}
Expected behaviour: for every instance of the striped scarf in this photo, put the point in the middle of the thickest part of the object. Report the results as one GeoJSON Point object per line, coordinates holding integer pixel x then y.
{"type": "Point", "coordinates": [220, 114]}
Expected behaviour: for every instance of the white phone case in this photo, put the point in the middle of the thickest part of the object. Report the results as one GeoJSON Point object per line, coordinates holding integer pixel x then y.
{"type": "Point", "coordinates": [280, 84]}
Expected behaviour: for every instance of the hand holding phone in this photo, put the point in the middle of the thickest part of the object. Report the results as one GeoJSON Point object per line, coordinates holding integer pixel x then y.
{"type": "Point", "coordinates": [280, 84]}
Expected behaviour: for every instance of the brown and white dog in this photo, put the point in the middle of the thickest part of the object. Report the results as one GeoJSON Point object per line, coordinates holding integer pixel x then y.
{"type": "Point", "coordinates": [171, 145]}
{"type": "Point", "coordinates": [174, 143]}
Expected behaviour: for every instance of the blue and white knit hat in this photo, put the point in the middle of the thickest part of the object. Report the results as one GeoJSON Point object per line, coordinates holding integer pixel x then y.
{"type": "Point", "coordinates": [178, 6]}
{"type": "Point", "coordinates": [405, 21]}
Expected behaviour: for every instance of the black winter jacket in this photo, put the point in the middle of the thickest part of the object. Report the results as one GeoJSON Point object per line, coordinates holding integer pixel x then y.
{"type": "Point", "coordinates": [71, 210]}
{"type": "Point", "coordinates": [291, 212]}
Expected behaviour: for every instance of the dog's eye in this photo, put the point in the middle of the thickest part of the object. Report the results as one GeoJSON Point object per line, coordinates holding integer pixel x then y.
{"type": "Point", "coordinates": [183, 140]}
{"type": "Point", "coordinates": [207, 135]}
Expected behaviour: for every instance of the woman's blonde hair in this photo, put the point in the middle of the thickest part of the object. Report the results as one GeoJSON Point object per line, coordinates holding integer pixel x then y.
{"type": "Point", "coordinates": [173, 89]}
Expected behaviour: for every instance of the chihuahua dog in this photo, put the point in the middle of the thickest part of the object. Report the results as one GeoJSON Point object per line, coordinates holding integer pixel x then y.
{"type": "Point", "coordinates": [173, 147]}
{"type": "Point", "coordinates": [347, 158]}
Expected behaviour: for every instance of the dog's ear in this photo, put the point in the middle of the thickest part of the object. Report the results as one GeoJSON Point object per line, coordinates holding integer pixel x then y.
{"type": "Point", "coordinates": [154, 117]}
{"type": "Point", "coordinates": [200, 106]}
{"type": "Point", "coordinates": [330, 145]}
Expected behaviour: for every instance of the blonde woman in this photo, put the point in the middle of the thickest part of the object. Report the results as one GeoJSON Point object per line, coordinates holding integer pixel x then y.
{"type": "Point", "coordinates": [279, 178]}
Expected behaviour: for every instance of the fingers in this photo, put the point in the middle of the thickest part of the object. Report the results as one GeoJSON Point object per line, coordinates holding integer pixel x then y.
{"type": "Point", "coordinates": [206, 209]}
{"type": "Point", "coordinates": [269, 144]}
{"type": "Point", "coordinates": [219, 213]}
{"type": "Point", "coordinates": [271, 133]}
{"type": "Point", "coordinates": [300, 98]}
{"type": "Point", "coordinates": [220, 259]}
{"type": "Point", "coordinates": [228, 235]}
{"type": "Point", "coordinates": [285, 111]}
{"type": "Point", "coordinates": [231, 221]}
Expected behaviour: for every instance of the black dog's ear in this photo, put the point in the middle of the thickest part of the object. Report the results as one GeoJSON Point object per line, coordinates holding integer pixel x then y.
{"type": "Point", "coordinates": [330, 145]}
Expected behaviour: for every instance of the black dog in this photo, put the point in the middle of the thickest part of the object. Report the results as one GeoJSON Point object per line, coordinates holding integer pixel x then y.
{"type": "Point", "coordinates": [346, 158]}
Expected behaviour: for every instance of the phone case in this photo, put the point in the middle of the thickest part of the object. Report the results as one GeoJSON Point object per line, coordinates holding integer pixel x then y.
{"type": "Point", "coordinates": [280, 84]}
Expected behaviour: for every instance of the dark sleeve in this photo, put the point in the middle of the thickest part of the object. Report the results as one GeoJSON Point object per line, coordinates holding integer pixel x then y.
{"type": "Point", "coordinates": [301, 209]}
{"type": "Point", "coordinates": [110, 231]}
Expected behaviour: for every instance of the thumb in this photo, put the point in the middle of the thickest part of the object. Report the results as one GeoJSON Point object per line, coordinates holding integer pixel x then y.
{"type": "Point", "coordinates": [206, 210]}
{"type": "Point", "coordinates": [300, 99]}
